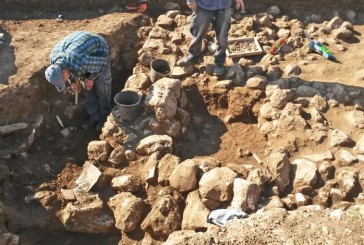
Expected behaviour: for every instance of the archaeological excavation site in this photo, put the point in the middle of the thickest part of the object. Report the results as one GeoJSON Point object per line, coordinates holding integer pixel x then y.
{"type": "Point", "coordinates": [269, 151]}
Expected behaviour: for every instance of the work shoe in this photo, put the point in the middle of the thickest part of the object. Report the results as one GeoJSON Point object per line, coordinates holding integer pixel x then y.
{"type": "Point", "coordinates": [219, 69]}
{"type": "Point", "coordinates": [187, 61]}
{"type": "Point", "coordinates": [89, 123]}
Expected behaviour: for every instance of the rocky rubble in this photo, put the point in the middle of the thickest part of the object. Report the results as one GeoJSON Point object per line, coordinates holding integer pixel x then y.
{"type": "Point", "coordinates": [169, 198]}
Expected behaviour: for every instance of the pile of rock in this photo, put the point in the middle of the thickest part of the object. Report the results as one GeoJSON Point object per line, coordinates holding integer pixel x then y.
{"type": "Point", "coordinates": [186, 191]}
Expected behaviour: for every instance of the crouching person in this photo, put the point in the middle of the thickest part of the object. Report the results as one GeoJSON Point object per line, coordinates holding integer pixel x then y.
{"type": "Point", "coordinates": [84, 56]}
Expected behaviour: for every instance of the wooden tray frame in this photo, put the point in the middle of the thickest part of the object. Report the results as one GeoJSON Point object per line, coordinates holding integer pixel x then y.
{"type": "Point", "coordinates": [248, 53]}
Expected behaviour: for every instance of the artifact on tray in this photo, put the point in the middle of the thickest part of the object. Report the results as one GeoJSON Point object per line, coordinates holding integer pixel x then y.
{"type": "Point", "coordinates": [246, 46]}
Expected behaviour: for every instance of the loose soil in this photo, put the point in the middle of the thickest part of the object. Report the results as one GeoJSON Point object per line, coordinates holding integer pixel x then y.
{"type": "Point", "coordinates": [54, 162]}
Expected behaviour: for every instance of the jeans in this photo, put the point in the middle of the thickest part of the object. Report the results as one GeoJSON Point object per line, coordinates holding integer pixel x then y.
{"type": "Point", "coordinates": [200, 22]}
{"type": "Point", "coordinates": [97, 105]}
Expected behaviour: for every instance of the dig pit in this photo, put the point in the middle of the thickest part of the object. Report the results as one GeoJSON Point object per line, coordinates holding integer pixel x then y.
{"type": "Point", "coordinates": [224, 128]}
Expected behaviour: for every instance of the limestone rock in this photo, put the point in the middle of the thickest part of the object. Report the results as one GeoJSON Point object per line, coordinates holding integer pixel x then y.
{"type": "Point", "coordinates": [280, 97]}
{"type": "Point", "coordinates": [153, 143]}
{"type": "Point", "coordinates": [356, 118]}
{"type": "Point", "coordinates": [217, 185]}
{"type": "Point", "coordinates": [345, 158]}
{"type": "Point", "coordinates": [342, 33]}
{"type": "Point", "coordinates": [184, 176]}
{"type": "Point", "coordinates": [170, 127]}
{"type": "Point", "coordinates": [246, 195]}
{"type": "Point", "coordinates": [359, 147]}
{"type": "Point", "coordinates": [164, 218]}
{"type": "Point", "coordinates": [117, 156]}
{"type": "Point", "coordinates": [257, 82]}
{"type": "Point", "coordinates": [195, 213]}
{"type": "Point", "coordinates": [165, 167]}
{"type": "Point", "coordinates": [258, 177]}
{"type": "Point", "coordinates": [305, 174]}
{"type": "Point", "coordinates": [149, 171]}
{"type": "Point", "coordinates": [291, 118]}
{"type": "Point", "coordinates": [163, 97]}
{"type": "Point", "coordinates": [335, 22]}
{"type": "Point", "coordinates": [128, 210]}
{"type": "Point", "coordinates": [139, 81]}
{"type": "Point", "coordinates": [320, 157]}
{"type": "Point", "coordinates": [99, 150]}
{"type": "Point", "coordinates": [87, 215]}
{"type": "Point", "coordinates": [130, 183]}
{"type": "Point", "coordinates": [144, 59]}
{"type": "Point", "coordinates": [319, 103]}
{"type": "Point", "coordinates": [164, 21]}
{"type": "Point", "coordinates": [279, 166]}
{"type": "Point", "coordinates": [347, 179]}
{"type": "Point", "coordinates": [292, 70]}
{"type": "Point", "coordinates": [340, 138]}
{"type": "Point", "coordinates": [268, 112]}
{"type": "Point", "coordinates": [112, 133]}
{"type": "Point", "coordinates": [326, 170]}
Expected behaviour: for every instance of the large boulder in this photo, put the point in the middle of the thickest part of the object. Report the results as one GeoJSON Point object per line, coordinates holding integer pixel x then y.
{"type": "Point", "coordinates": [165, 167]}
{"type": "Point", "coordinates": [87, 215]}
{"type": "Point", "coordinates": [195, 213]}
{"type": "Point", "coordinates": [99, 150]}
{"type": "Point", "coordinates": [217, 186]}
{"type": "Point", "coordinates": [305, 174]}
{"type": "Point", "coordinates": [154, 143]}
{"type": "Point", "coordinates": [128, 210]}
{"type": "Point", "coordinates": [163, 98]}
{"type": "Point", "coordinates": [184, 176]}
{"type": "Point", "coordinates": [164, 218]}
{"type": "Point", "coordinates": [279, 166]}
{"type": "Point", "coordinates": [246, 195]}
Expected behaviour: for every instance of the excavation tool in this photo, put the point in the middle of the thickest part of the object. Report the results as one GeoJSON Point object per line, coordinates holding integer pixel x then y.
{"type": "Point", "coordinates": [79, 82]}
{"type": "Point", "coordinates": [318, 47]}
{"type": "Point", "coordinates": [59, 121]}
{"type": "Point", "coordinates": [277, 45]}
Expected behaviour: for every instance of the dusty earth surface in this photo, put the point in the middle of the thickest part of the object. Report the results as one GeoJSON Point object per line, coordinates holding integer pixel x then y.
{"type": "Point", "coordinates": [52, 162]}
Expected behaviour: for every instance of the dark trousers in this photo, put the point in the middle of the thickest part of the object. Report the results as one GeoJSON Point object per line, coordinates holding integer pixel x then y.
{"type": "Point", "coordinates": [97, 105]}
{"type": "Point", "coordinates": [200, 22]}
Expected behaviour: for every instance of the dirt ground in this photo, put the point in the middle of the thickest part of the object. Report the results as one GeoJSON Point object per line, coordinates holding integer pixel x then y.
{"type": "Point", "coordinates": [55, 162]}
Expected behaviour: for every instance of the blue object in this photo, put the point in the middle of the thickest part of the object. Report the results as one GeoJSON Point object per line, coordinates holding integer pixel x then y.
{"type": "Point", "coordinates": [321, 49]}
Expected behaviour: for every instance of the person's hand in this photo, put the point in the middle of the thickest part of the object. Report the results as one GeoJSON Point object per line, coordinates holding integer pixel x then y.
{"type": "Point", "coordinates": [76, 87]}
{"type": "Point", "coordinates": [88, 84]}
{"type": "Point", "coordinates": [192, 5]}
{"type": "Point", "coordinates": [240, 4]}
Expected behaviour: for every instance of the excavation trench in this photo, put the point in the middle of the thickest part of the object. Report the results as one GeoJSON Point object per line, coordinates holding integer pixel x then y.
{"type": "Point", "coordinates": [227, 129]}
{"type": "Point", "coordinates": [50, 161]}
{"type": "Point", "coordinates": [38, 154]}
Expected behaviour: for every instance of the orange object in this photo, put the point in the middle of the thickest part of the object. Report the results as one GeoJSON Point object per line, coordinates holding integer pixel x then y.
{"type": "Point", "coordinates": [277, 45]}
{"type": "Point", "coordinates": [137, 9]}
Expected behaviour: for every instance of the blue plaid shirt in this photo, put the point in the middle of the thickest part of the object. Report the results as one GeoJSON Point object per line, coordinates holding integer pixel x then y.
{"type": "Point", "coordinates": [83, 54]}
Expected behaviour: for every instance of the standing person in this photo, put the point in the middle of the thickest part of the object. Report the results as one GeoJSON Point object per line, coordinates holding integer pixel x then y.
{"type": "Point", "coordinates": [204, 13]}
{"type": "Point", "coordinates": [84, 56]}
